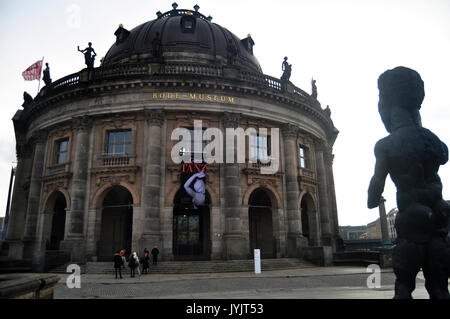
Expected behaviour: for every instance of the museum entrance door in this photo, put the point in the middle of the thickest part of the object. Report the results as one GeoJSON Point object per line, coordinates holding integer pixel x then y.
{"type": "Point", "coordinates": [117, 223]}
{"type": "Point", "coordinates": [58, 222]}
{"type": "Point", "coordinates": [260, 223]}
{"type": "Point", "coordinates": [191, 234]}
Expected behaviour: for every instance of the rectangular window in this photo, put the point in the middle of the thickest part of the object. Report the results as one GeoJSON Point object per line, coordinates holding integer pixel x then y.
{"type": "Point", "coordinates": [303, 157]}
{"type": "Point", "coordinates": [119, 143]}
{"type": "Point", "coordinates": [259, 147]}
{"type": "Point", "coordinates": [191, 150]}
{"type": "Point", "coordinates": [61, 150]}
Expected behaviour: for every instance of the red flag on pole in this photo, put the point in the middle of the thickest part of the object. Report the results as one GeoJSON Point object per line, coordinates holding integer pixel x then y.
{"type": "Point", "coordinates": [33, 72]}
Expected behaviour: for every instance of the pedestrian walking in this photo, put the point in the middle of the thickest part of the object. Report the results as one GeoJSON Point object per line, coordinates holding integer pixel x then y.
{"type": "Point", "coordinates": [155, 253]}
{"type": "Point", "coordinates": [118, 264]}
{"type": "Point", "coordinates": [146, 262]}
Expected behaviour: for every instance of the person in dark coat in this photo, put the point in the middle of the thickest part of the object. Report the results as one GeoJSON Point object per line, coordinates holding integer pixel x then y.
{"type": "Point", "coordinates": [118, 264]}
{"type": "Point", "coordinates": [155, 252]}
{"type": "Point", "coordinates": [146, 262]}
{"type": "Point", "coordinates": [133, 263]}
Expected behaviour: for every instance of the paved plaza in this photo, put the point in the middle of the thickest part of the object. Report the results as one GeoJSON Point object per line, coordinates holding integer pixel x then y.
{"type": "Point", "coordinates": [310, 283]}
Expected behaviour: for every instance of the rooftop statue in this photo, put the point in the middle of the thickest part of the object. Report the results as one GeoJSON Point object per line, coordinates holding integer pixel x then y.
{"type": "Point", "coordinates": [313, 89]}
{"type": "Point", "coordinates": [411, 155]}
{"type": "Point", "coordinates": [27, 99]}
{"type": "Point", "coordinates": [287, 69]}
{"type": "Point", "coordinates": [46, 77]}
{"type": "Point", "coordinates": [89, 55]}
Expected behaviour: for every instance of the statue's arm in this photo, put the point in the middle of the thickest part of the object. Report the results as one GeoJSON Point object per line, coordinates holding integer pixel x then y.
{"type": "Point", "coordinates": [188, 184]}
{"type": "Point", "coordinates": [376, 186]}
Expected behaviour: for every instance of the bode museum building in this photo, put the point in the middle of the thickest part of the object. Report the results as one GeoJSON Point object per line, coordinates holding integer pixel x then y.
{"type": "Point", "coordinates": [116, 156]}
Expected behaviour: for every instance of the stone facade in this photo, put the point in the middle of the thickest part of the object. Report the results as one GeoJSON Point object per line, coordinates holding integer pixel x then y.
{"type": "Point", "coordinates": [78, 191]}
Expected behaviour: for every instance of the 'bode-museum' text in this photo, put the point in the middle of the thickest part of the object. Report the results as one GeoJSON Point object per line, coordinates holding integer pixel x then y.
{"type": "Point", "coordinates": [194, 97]}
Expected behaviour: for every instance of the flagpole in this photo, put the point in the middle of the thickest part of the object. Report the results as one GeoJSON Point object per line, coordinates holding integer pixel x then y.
{"type": "Point", "coordinates": [42, 65]}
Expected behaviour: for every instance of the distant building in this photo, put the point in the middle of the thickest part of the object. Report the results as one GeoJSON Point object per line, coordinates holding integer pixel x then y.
{"type": "Point", "coordinates": [353, 232]}
{"type": "Point", "coordinates": [374, 228]}
{"type": "Point", "coordinates": [391, 223]}
{"type": "Point", "coordinates": [96, 170]}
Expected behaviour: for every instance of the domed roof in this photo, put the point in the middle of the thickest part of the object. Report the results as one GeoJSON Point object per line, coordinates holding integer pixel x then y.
{"type": "Point", "coordinates": [184, 37]}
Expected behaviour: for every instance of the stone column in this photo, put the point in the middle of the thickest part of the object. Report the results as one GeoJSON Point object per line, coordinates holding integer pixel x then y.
{"type": "Point", "coordinates": [383, 221]}
{"type": "Point", "coordinates": [151, 190]}
{"type": "Point", "coordinates": [15, 228]}
{"type": "Point", "coordinates": [74, 239]}
{"type": "Point", "coordinates": [329, 157]}
{"type": "Point", "coordinates": [295, 239]}
{"type": "Point", "coordinates": [324, 205]}
{"type": "Point", "coordinates": [29, 237]}
{"type": "Point", "coordinates": [235, 244]}
{"type": "Point", "coordinates": [44, 228]}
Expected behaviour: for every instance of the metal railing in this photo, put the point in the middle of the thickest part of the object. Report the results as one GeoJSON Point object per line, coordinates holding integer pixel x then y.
{"type": "Point", "coordinates": [143, 70]}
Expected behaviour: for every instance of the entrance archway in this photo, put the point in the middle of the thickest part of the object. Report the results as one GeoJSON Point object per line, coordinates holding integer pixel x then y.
{"type": "Point", "coordinates": [308, 219]}
{"type": "Point", "coordinates": [117, 223]}
{"type": "Point", "coordinates": [58, 201]}
{"type": "Point", "coordinates": [191, 228]}
{"type": "Point", "coordinates": [260, 223]}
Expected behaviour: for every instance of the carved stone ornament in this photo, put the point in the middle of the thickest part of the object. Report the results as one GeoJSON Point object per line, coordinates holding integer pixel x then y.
{"type": "Point", "coordinates": [24, 150]}
{"type": "Point", "coordinates": [39, 137]}
{"type": "Point", "coordinates": [155, 117]}
{"type": "Point", "coordinates": [231, 120]}
{"type": "Point", "coordinates": [83, 123]}
{"type": "Point", "coordinates": [319, 145]}
{"type": "Point", "coordinates": [289, 131]}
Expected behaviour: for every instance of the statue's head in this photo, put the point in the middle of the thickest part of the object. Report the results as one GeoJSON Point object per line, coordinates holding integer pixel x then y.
{"type": "Point", "coordinates": [401, 94]}
{"type": "Point", "coordinates": [90, 44]}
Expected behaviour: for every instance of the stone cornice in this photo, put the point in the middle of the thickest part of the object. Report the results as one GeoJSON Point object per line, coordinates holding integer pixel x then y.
{"type": "Point", "coordinates": [236, 86]}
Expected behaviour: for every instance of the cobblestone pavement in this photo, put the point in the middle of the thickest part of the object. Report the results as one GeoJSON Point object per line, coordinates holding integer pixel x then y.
{"type": "Point", "coordinates": [311, 283]}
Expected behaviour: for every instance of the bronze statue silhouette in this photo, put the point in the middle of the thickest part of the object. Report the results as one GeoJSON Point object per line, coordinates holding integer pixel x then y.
{"type": "Point", "coordinates": [411, 155]}
{"type": "Point", "coordinates": [89, 55]}
{"type": "Point", "coordinates": [313, 89]}
{"type": "Point", "coordinates": [287, 69]}
{"type": "Point", "coordinates": [46, 75]}
{"type": "Point", "coordinates": [27, 99]}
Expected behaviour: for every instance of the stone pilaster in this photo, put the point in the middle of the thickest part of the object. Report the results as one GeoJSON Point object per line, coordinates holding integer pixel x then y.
{"type": "Point", "coordinates": [19, 201]}
{"type": "Point", "coordinates": [74, 239]}
{"type": "Point", "coordinates": [324, 204]}
{"type": "Point", "coordinates": [29, 237]}
{"type": "Point", "coordinates": [235, 244]}
{"type": "Point", "coordinates": [295, 239]}
{"type": "Point", "coordinates": [328, 158]}
{"type": "Point", "coordinates": [151, 190]}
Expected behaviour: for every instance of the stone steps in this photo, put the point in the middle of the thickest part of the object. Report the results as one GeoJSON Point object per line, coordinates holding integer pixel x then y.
{"type": "Point", "coordinates": [14, 266]}
{"type": "Point", "coordinates": [190, 267]}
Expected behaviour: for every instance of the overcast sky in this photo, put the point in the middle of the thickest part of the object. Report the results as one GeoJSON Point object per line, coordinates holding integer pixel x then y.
{"type": "Point", "coordinates": [344, 45]}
